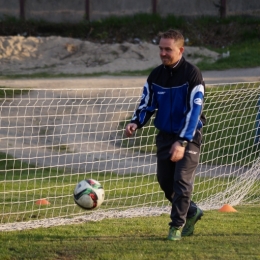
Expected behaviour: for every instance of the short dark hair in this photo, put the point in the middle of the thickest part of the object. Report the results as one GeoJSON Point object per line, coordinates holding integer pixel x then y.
{"type": "Point", "coordinates": [173, 34]}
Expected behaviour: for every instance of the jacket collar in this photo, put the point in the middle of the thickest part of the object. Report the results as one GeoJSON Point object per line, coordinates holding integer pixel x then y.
{"type": "Point", "coordinates": [176, 66]}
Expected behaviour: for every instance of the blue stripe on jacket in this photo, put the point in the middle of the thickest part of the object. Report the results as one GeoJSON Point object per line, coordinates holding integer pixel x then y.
{"type": "Point", "coordinates": [175, 114]}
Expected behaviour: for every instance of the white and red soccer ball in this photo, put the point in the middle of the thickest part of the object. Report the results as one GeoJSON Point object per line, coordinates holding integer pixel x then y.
{"type": "Point", "coordinates": [89, 194]}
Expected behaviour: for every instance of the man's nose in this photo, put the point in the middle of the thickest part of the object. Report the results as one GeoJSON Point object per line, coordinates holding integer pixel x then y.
{"type": "Point", "coordinates": [162, 52]}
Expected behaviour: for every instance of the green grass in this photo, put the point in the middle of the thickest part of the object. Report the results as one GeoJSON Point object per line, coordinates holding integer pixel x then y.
{"type": "Point", "coordinates": [231, 117]}
{"type": "Point", "coordinates": [24, 184]}
{"type": "Point", "coordinates": [7, 92]}
{"type": "Point", "coordinates": [218, 236]}
{"type": "Point", "coordinates": [87, 75]}
{"type": "Point", "coordinates": [242, 55]}
{"type": "Point", "coordinates": [48, 75]}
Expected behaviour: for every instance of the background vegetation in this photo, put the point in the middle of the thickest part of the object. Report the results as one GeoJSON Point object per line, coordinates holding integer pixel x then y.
{"type": "Point", "coordinates": [211, 31]}
{"type": "Point", "coordinates": [238, 34]}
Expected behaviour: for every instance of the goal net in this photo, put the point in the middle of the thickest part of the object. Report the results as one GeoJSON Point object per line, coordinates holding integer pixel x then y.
{"type": "Point", "coordinates": [53, 138]}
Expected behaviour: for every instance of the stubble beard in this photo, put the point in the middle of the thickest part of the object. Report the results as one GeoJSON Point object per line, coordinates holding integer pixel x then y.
{"type": "Point", "coordinates": [166, 61]}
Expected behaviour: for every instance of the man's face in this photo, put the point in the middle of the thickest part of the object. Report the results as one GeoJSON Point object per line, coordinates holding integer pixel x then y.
{"type": "Point", "coordinates": [170, 51]}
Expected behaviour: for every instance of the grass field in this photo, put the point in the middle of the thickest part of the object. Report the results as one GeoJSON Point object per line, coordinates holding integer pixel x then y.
{"type": "Point", "coordinates": [24, 184]}
{"type": "Point", "coordinates": [232, 236]}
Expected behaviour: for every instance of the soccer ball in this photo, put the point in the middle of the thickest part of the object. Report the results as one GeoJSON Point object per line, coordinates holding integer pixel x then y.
{"type": "Point", "coordinates": [89, 194]}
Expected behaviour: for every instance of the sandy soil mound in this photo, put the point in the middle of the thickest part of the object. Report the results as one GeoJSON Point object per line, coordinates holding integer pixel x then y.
{"type": "Point", "coordinates": [22, 55]}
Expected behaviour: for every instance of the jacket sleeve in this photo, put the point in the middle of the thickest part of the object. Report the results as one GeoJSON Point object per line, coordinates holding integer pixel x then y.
{"type": "Point", "coordinates": [195, 106]}
{"type": "Point", "coordinates": [146, 108]}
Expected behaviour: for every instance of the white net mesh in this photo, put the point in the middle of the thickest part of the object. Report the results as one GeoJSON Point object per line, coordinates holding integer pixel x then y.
{"type": "Point", "coordinates": [52, 139]}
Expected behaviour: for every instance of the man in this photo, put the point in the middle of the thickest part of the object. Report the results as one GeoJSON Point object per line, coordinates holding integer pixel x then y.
{"type": "Point", "coordinates": [175, 90]}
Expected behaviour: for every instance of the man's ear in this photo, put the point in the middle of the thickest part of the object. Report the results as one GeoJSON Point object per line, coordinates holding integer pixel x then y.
{"type": "Point", "coordinates": [181, 50]}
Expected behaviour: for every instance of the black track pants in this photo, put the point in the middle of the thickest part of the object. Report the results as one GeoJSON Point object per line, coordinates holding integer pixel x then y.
{"type": "Point", "coordinates": [177, 179]}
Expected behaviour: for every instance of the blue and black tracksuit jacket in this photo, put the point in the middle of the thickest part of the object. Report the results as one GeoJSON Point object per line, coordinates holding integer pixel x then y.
{"type": "Point", "coordinates": [176, 95]}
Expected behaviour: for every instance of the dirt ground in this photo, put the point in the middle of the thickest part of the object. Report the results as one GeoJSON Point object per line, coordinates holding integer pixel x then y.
{"type": "Point", "coordinates": [55, 55]}
{"type": "Point", "coordinates": [27, 55]}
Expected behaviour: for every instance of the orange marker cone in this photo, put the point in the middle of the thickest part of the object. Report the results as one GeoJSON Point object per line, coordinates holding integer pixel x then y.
{"type": "Point", "coordinates": [227, 208]}
{"type": "Point", "coordinates": [42, 202]}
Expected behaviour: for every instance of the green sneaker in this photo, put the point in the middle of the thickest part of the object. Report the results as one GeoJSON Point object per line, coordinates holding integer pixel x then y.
{"type": "Point", "coordinates": [174, 234]}
{"type": "Point", "coordinates": [190, 223]}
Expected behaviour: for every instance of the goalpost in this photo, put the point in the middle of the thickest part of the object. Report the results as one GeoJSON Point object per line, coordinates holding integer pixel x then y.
{"type": "Point", "coordinates": [53, 138]}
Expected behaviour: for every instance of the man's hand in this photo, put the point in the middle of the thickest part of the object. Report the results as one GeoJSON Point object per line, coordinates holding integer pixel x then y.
{"type": "Point", "coordinates": [177, 152]}
{"type": "Point", "coordinates": [130, 129]}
